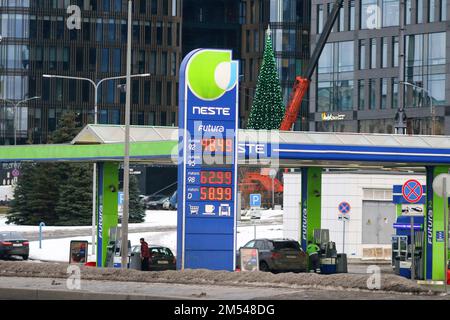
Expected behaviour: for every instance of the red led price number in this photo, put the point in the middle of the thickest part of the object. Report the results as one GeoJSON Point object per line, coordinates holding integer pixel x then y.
{"type": "Point", "coordinates": [216, 177]}
{"type": "Point", "coordinates": [215, 193]}
{"type": "Point", "coordinates": [217, 145]}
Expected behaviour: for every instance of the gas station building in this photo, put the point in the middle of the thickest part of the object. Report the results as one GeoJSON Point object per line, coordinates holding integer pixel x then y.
{"type": "Point", "coordinates": [310, 153]}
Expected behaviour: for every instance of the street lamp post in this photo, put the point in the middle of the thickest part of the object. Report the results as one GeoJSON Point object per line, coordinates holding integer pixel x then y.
{"type": "Point", "coordinates": [432, 108]}
{"type": "Point", "coordinates": [126, 160]}
{"type": "Point", "coordinates": [96, 85]}
{"type": "Point", "coordinates": [16, 105]}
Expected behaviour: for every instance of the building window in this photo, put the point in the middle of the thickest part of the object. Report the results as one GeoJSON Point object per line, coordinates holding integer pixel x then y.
{"type": "Point", "coordinates": [443, 10]}
{"type": "Point", "coordinates": [143, 7]}
{"type": "Point", "coordinates": [383, 91]}
{"type": "Point", "coordinates": [394, 101]}
{"type": "Point", "coordinates": [345, 56]}
{"type": "Point", "coordinates": [319, 18]}
{"type": "Point", "coordinates": [105, 60]}
{"type": "Point", "coordinates": [351, 15]}
{"type": "Point", "coordinates": [384, 53]}
{"type": "Point", "coordinates": [158, 33]}
{"type": "Point", "coordinates": [395, 51]}
{"type": "Point", "coordinates": [373, 53]}
{"type": "Point", "coordinates": [151, 118]}
{"type": "Point", "coordinates": [362, 55]}
{"type": "Point", "coordinates": [419, 11]}
{"type": "Point", "coordinates": [367, 14]}
{"type": "Point", "coordinates": [341, 24]}
{"type": "Point", "coordinates": [135, 91]}
{"type": "Point", "coordinates": [154, 7]}
{"type": "Point", "coordinates": [99, 27]}
{"type": "Point", "coordinates": [158, 93]}
{"type": "Point", "coordinates": [361, 95]}
{"type": "Point", "coordinates": [117, 60]}
{"type": "Point", "coordinates": [336, 95]}
{"type": "Point", "coordinates": [79, 59]}
{"type": "Point", "coordinates": [147, 90]}
{"type": "Point", "coordinates": [372, 94]}
{"type": "Point", "coordinates": [148, 33]}
{"type": "Point", "coordinates": [391, 14]}
{"type": "Point", "coordinates": [174, 8]}
{"type": "Point", "coordinates": [408, 11]}
{"type": "Point", "coordinates": [344, 95]}
{"type": "Point", "coordinates": [431, 10]}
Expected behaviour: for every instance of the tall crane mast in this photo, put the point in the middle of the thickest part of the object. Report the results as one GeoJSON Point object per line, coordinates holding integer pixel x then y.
{"type": "Point", "coordinates": [301, 84]}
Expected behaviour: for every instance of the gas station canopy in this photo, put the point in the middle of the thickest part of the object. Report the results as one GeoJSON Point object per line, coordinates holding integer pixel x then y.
{"type": "Point", "coordinates": [158, 145]}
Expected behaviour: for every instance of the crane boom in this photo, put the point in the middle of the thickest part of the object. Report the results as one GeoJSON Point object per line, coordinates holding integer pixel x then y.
{"type": "Point", "coordinates": [301, 84]}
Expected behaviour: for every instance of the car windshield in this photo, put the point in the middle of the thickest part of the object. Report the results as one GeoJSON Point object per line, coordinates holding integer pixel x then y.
{"type": "Point", "coordinates": [161, 252]}
{"type": "Point", "coordinates": [10, 236]}
{"type": "Point", "coordinates": [286, 245]}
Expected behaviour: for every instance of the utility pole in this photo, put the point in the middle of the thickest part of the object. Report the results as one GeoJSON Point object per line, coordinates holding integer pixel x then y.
{"type": "Point", "coordinates": [126, 161]}
{"type": "Point", "coordinates": [401, 63]}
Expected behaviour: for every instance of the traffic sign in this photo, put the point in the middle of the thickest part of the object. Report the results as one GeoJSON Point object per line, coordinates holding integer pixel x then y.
{"type": "Point", "coordinates": [416, 210]}
{"type": "Point", "coordinates": [255, 200]}
{"type": "Point", "coordinates": [15, 173]}
{"type": "Point", "coordinates": [412, 191]}
{"type": "Point", "coordinates": [438, 184]}
{"type": "Point", "coordinates": [344, 207]}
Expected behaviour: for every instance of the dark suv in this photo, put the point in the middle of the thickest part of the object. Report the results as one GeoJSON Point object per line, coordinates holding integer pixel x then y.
{"type": "Point", "coordinates": [279, 255]}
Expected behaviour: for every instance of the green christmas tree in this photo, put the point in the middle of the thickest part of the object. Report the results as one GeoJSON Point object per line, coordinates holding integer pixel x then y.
{"type": "Point", "coordinates": [267, 110]}
{"type": "Point", "coordinates": [137, 210]}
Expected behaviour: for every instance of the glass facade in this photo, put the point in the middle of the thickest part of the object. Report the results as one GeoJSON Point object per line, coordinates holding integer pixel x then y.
{"type": "Point", "coordinates": [37, 41]}
{"type": "Point", "coordinates": [335, 77]}
{"type": "Point", "coordinates": [377, 71]}
{"type": "Point", "coordinates": [425, 68]}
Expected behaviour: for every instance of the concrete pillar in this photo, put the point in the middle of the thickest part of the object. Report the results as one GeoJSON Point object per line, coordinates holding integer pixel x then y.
{"type": "Point", "coordinates": [311, 200]}
{"type": "Point", "coordinates": [107, 209]}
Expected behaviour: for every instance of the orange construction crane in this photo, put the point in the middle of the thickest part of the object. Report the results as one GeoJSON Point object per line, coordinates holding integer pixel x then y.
{"type": "Point", "coordinates": [301, 84]}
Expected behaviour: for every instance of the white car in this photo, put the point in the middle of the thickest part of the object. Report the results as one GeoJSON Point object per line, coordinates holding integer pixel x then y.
{"type": "Point", "coordinates": [166, 204]}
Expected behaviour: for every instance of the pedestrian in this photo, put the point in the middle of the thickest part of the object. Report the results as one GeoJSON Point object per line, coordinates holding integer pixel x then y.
{"type": "Point", "coordinates": [314, 259]}
{"type": "Point", "coordinates": [145, 255]}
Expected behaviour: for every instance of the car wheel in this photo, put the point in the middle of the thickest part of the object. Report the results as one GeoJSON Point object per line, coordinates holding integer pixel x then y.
{"type": "Point", "coordinates": [25, 257]}
{"type": "Point", "coordinates": [263, 266]}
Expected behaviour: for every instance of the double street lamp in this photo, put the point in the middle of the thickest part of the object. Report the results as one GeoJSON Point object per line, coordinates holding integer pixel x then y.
{"type": "Point", "coordinates": [96, 86]}
{"type": "Point", "coordinates": [16, 105]}
{"type": "Point", "coordinates": [432, 108]}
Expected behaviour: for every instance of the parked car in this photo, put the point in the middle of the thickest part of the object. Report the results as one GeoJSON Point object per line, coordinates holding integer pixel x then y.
{"type": "Point", "coordinates": [161, 258]}
{"type": "Point", "coordinates": [156, 202]}
{"type": "Point", "coordinates": [278, 255]}
{"type": "Point", "coordinates": [13, 244]}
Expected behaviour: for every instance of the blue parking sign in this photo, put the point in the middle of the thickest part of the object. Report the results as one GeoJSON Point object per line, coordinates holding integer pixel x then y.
{"type": "Point", "coordinates": [255, 200]}
{"type": "Point", "coordinates": [120, 194]}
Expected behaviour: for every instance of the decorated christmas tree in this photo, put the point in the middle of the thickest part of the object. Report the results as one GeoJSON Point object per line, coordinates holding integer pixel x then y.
{"type": "Point", "coordinates": [267, 110]}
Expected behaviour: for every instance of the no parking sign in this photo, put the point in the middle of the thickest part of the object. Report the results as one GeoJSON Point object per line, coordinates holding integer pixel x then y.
{"type": "Point", "coordinates": [412, 191]}
{"type": "Point", "coordinates": [344, 211]}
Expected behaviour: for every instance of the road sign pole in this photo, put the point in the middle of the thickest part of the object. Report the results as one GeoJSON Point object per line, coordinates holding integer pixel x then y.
{"type": "Point", "coordinates": [343, 236]}
{"type": "Point", "coordinates": [413, 264]}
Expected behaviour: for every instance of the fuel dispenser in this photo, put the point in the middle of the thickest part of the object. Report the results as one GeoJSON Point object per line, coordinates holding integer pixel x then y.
{"type": "Point", "coordinates": [402, 248]}
{"type": "Point", "coordinates": [330, 260]}
{"type": "Point", "coordinates": [113, 257]}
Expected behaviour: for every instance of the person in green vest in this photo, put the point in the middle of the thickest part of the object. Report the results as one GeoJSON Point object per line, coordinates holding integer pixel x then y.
{"type": "Point", "coordinates": [314, 260]}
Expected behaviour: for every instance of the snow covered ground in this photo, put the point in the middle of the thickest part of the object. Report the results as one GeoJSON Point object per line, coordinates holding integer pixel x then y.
{"type": "Point", "coordinates": [58, 249]}
{"type": "Point", "coordinates": [156, 218]}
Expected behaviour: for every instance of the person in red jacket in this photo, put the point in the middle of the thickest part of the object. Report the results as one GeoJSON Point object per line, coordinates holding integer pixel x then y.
{"type": "Point", "coordinates": [145, 255]}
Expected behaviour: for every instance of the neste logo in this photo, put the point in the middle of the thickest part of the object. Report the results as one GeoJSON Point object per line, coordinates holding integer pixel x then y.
{"type": "Point", "coordinates": [210, 73]}
{"type": "Point", "coordinates": [215, 111]}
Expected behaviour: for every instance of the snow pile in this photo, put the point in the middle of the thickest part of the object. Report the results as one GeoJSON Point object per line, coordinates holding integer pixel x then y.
{"type": "Point", "coordinates": [58, 249]}
{"type": "Point", "coordinates": [390, 283]}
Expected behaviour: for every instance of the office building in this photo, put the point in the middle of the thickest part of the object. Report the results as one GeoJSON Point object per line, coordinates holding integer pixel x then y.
{"type": "Point", "coordinates": [357, 85]}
